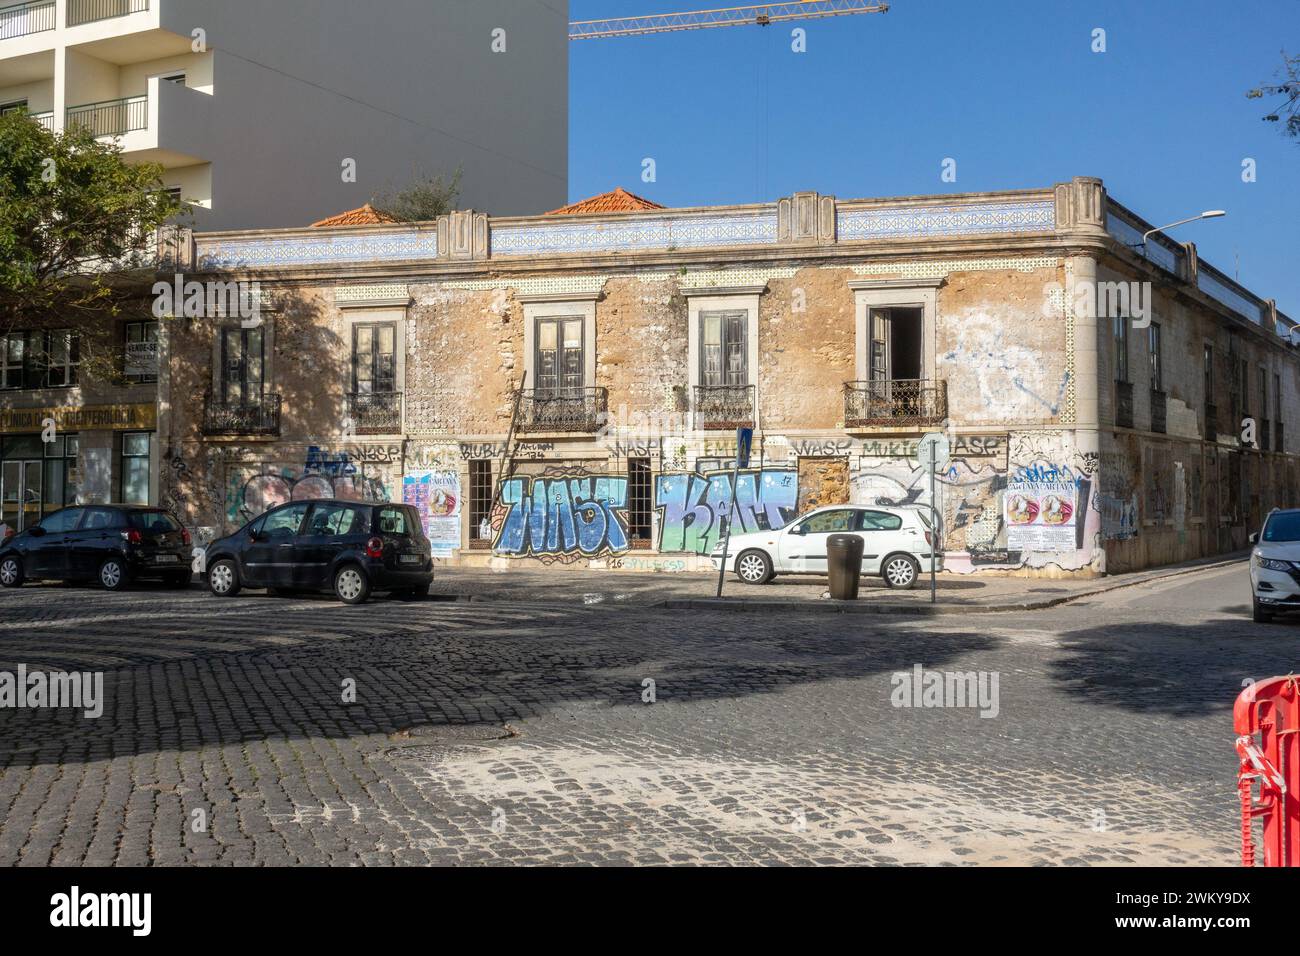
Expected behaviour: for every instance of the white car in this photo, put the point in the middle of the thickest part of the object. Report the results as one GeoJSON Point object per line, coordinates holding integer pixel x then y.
{"type": "Point", "coordinates": [898, 545]}
{"type": "Point", "coordinates": [1275, 565]}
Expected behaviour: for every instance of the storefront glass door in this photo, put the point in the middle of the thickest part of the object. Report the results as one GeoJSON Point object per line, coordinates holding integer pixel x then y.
{"type": "Point", "coordinates": [20, 493]}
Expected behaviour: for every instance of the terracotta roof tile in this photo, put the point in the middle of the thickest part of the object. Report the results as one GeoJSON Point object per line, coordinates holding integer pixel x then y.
{"type": "Point", "coordinates": [620, 200]}
{"type": "Point", "coordinates": [367, 215]}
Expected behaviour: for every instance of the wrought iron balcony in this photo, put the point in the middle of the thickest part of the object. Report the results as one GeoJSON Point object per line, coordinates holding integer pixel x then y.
{"type": "Point", "coordinates": [563, 410]}
{"type": "Point", "coordinates": [376, 413]}
{"type": "Point", "coordinates": [243, 418]}
{"type": "Point", "coordinates": [88, 11]}
{"type": "Point", "coordinates": [895, 401]}
{"type": "Point", "coordinates": [1159, 411]}
{"type": "Point", "coordinates": [1124, 404]}
{"type": "Point", "coordinates": [111, 117]}
{"type": "Point", "coordinates": [24, 19]}
{"type": "Point", "coordinates": [45, 119]}
{"type": "Point", "coordinates": [1211, 422]}
{"type": "Point", "coordinates": [724, 406]}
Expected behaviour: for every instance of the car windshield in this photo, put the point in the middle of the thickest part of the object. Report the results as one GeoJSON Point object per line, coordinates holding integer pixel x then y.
{"type": "Point", "coordinates": [1283, 527]}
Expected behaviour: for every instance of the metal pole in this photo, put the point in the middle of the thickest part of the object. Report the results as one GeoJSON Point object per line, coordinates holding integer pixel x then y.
{"type": "Point", "coordinates": [731, 510]}
{"type": "Point", "coordinates": [934, 521]}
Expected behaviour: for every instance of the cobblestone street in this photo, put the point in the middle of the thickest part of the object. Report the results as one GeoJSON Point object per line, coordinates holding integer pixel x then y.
{"type": "Point", "coordinates": [517, 733]}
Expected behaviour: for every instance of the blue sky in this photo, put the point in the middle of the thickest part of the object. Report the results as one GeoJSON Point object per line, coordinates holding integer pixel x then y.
{"type": "Point", "coordinates": [1009, 88]}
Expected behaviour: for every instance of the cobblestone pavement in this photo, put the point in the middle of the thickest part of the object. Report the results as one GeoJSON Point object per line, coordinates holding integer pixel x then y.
{"type": "Point", "coordinates": [514, 733]}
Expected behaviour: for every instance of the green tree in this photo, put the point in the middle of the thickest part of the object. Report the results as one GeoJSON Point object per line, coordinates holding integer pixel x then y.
{"type": "Point", "coordinates": [1287, 92]}
{"type": "Point", "coordinates": [77, 230]}
{"type": "Point", "coordinates": [427, 196]}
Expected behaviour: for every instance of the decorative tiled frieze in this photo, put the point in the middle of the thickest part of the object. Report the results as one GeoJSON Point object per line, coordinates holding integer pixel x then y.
{"type": "Point", "coordinates": [937, 269]}
{"type": "Point", "coordinates": [365, 294]}
{"type": "Point", "coordinates": [537, 285]}
{"type": "Point", "coordinates": [270, 252]}
{"type": "Point", "coordinates": [965, 219]}
{"type": "Point", "coordinates": [632, 233]}
{"type": "Point", "coordinates": [732, 278]}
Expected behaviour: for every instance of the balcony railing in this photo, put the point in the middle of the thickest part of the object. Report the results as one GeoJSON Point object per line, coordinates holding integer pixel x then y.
{"type": "Point", "coordinates": [376, 413]}
{"type": "Point", "coordinates": [1124, 404]}
{"type": "Point", "coordinates": [111, 117]}
{"type": "Point", "coordinates": [724, 406]}
{"type": "Point", "coordinates": [88, 11]}
{"type": "Point", "coordinates": [242, 418]}
{"type": "Point", "coordinates": [895, 401]}
{"type": "Point", "coordinates": [1211, 422]}
{"type": "Point", "coordinates": [26, 18]}
{"type": "Point", "coordinates": [563, 410]}
{"type": "Point", "coordinates": [45, 119]}
{"type": "Point", "coordinates": [1159, 411]}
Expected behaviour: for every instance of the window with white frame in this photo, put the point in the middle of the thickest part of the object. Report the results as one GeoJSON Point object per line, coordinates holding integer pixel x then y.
{"type": "Point", "coordinates": [724, 353]}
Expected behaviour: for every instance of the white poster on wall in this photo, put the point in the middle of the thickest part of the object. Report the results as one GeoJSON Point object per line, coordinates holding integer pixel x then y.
{"type": "Point", "coordinates": [1040, 515]}
{"type": "Point", "coordinates": [436, 496]}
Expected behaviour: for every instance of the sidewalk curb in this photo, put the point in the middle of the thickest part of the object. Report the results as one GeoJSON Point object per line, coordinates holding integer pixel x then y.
{"type": "Point", "coordinates": [827, 606]}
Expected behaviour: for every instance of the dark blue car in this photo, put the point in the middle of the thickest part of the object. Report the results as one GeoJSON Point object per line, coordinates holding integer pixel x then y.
{"type": "Point", "coordinates": [349, 547]}
{"type": "Point", "coordinates": [111, 544]}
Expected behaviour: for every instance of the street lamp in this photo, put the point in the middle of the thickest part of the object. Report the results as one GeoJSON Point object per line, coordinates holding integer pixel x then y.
{"type": "Point", "coordinates": [1208, 214]}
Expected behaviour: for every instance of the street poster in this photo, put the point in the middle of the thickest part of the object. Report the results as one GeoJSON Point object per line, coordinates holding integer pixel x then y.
{"type": "Point", "coordinates": [1040, 515]}
{"type": "Point", "coordinates": [436, 497]}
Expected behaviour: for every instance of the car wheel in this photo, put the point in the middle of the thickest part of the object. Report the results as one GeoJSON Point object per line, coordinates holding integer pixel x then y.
{"type": "Point", "coordinates": [351, 585]}
{"type": "Point", "coordinates": [900, 571]}
{"type": "Point", "coordinates": [11, 572]}
{"type": "Point", "coordinates": [754, 567]}
{"type": "Point", "coordinates": [178, 581]}
{"type": "Point", "coordinates": [113, 574]}
{"type": "Point", "coordinates": [223, 578]}
{"type": "Point", "coordinates": [1260, 615]}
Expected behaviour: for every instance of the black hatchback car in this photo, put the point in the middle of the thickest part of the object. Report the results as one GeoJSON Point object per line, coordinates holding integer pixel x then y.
{"type": "Point", "coordinates": [349, 547]}
{"type": "Point", "coordinates": [111, 544]}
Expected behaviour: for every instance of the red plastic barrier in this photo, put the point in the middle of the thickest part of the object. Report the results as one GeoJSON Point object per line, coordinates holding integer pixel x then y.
{"type": "Point", "coordinates": [1267, 720]}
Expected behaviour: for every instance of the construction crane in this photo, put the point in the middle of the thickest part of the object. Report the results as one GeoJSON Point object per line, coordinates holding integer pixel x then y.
{"type": "Point", "coordinates": [762, 14]}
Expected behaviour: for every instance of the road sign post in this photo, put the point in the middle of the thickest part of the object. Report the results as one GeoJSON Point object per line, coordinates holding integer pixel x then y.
{"type": "Point", "coordinates": [744, 442]}
{"type": "Point", "coordinates": [932, 453]}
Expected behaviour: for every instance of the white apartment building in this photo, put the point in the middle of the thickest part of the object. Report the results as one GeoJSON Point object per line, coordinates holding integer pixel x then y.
{"type": "Point", "coordinates": [269, 113]}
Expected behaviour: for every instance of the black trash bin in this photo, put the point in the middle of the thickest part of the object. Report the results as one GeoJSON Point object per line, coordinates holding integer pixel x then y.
{"type": "Point", "coordinates": [844, 564]}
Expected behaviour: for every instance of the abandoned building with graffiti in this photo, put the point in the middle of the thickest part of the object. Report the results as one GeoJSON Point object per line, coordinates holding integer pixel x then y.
{"type": "Point", "coordinates": [564, 390]}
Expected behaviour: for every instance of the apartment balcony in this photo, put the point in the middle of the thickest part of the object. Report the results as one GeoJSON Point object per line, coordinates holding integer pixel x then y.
{"type": "Point", "coordinates": [45, 119]}
{"type": "Point", "coordinates": [576, 410]}
{"type": "Point", "coordinates": [24, 19]}
{"type": "Point", "coordinates": [91, 11]}
{"type": "Point", "coordinates": [242, 418]}
{"type": "Point", "coordinates": [898, 402]}
{"type": "Point", "coordinates": [169, 124]}
{"type": "Point", "coordinates": [376, 413]}
{"type": "Point", "coordinates": [1124, 404]}
{"type": "Point", "coordinates": [110, 117]}
{"type": "Point", "coordinates": [724, 407]}
{"type": "Point", "coordinates": [1159, 411]}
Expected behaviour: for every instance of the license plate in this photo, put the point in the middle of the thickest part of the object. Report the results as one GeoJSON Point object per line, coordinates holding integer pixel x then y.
{"type": "Point", "coordinates": [412, 558]}
{"type": "Point", "coordinates": [167, 559]}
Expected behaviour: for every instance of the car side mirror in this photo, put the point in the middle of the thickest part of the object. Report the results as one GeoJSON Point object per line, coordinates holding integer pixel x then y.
{"type": "Point", "coordinates": [254, 537]}
{"type": "Point", "coordinates": [1254, 537]}
{"type": "Point", "coordinates": [38, 532]}
{"type": "Point", "coordinates": [797, 529]}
